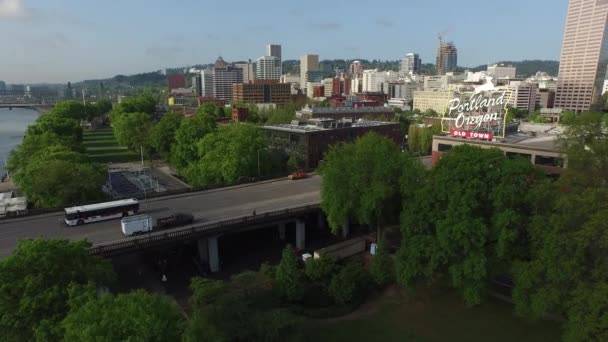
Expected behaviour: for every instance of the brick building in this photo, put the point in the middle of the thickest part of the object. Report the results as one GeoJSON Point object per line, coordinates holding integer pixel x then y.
{"type": "Point", "coordinates": [310, 140]}
{"type": "Point", "coordinates": [262, 91]}
{"type": "Point", "coordinates": [176, 81]}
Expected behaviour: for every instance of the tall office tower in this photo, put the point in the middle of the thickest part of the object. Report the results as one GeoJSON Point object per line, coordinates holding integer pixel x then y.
{"type": "Point", "coordinates": [584, 55]}
{"type": "Point", "coordinates": [410, 64]}
{"type": "Point", "coordinates": [308, 63]}
{"type": "Point", "coordinates": [274, 50]}
{"type": "Point", "coordinates": [224, 76]}
{"type": "Point", "coordinates": [447, 57]}
{"type": "Point", "coordinates": [249, 70]}
{"type": "Point", "coordinates": [207, 83]}
{"type": "Point", "coordinates": [267, 68]}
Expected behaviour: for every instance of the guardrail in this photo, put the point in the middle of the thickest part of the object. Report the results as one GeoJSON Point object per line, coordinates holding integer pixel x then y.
{"type": "Point", "coordinates": [181, 234]}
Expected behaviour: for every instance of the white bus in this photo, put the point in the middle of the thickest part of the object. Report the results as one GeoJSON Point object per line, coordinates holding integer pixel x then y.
{"type": "Point", "coordinates": [76, 216]}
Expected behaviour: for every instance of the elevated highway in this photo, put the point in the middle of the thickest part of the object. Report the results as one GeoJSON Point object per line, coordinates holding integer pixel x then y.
{"type": "Point", "coordinates": [216, 211]}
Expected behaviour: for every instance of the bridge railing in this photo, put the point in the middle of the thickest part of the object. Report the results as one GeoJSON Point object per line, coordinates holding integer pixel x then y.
{"type": "Point", "coordinates": [185, 233]}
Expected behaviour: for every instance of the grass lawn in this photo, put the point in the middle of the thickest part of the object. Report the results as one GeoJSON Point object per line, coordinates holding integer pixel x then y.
{"type": "Point", "coordinates": [428, 316]}
{"type": "Point", "coordinates": [102, 147]}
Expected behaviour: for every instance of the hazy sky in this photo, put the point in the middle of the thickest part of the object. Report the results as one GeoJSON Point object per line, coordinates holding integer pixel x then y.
{"type": "Point", "coordinates": [72, 40]}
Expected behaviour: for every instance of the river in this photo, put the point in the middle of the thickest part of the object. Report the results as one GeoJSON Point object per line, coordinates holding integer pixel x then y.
{"type": "Point", "coordinates": [13, 124]}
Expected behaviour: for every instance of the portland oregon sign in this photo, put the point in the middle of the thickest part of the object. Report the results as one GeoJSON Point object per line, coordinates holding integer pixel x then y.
{"type": "Point", "coordinates": [477, 112]}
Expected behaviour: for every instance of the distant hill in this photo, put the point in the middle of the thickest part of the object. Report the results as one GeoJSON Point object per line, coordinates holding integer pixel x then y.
{"type": "Point", "coordinates": [528, 68]}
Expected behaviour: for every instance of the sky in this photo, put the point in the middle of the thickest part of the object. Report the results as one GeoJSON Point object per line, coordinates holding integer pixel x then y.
{"type": "Point", "coordinates": [72, 40]}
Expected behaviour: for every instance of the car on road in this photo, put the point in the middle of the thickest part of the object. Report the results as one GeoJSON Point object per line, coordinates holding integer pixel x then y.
{"type": "Point", "coordinates": [298, 175]}
{"type": "Point", "coordinates": [174, 220]}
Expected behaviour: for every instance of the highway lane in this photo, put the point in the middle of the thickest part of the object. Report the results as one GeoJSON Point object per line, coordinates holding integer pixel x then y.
{"type": "Point", "coordinates": [212, 205]}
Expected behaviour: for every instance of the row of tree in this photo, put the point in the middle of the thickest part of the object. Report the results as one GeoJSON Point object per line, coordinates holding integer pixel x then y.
{"type": "Point", "coordinates": [477, 215]}
{"type": "Point", "coordinates": [200, 150]}
{"type": "Point", "coordinates": [50, 166]}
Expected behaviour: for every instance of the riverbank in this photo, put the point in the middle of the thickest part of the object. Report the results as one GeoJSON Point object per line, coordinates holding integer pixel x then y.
{"type": "Point", "coordinates": [13, 124]}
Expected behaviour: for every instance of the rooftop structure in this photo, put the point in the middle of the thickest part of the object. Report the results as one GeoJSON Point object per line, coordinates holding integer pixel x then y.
{"type": "Point", "coordinates": [308, 141]}
{"type": "Point", "coordinates": [346, 112]}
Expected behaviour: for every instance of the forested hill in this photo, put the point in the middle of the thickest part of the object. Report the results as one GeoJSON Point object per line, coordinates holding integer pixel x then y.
{"type": "Point", "coordinates": [528, 68]}
{"type": "Point", "coordinates": [525, 68]}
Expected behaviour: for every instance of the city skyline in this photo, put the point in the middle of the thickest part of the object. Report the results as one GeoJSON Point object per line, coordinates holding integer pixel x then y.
{"type": "Point", "coordinates": [71, 41]}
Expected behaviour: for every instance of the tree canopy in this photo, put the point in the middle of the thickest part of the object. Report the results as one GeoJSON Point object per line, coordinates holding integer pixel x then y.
{"type": "Point", "coordinates": [227, 154]}
{"type": "Point", "coordinates": [566, 272]}
{"type": "Point", "coordinates": [467, 220]}
{"type": "Point", "coordinates": [34, 284]}
{"type": "Point", "coordinates": [190, 131]}
{"type": "Point", "coordinates": [361, 181]}
{"type": "Point", "coordinates": [135, 316]}
{"type": "Point", "coordinates": [162, 135]}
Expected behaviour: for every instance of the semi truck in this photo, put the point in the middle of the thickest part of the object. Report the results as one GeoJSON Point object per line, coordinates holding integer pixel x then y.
{"type": "Point", "coordinates": [141, 224]}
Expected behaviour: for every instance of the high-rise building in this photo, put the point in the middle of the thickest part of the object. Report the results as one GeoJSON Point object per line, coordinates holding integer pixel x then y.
{"type": "Point", "coordinates": [524, 95]}
{"type": "Point", "coordinates": [176, 81]}
{"type": "Point", "coordinates": [267, 68]}
{"type": "Point", "coordinates": [411, 64]}
{"type": "Point", "coordinates": [207, 83]}
{"type": "Point", "coordinates": [249, 70]}
{"type": "Point", "coordinates": [308, 63]}
{"type": "Point", "coordinates": [584, 55]}
{"type": "Point", "coordinates": [273, 50]}
{"type": "Point", "coordinates": [356, 68]}
{"type": "Point", "coordinates": [224, 76]}
{"type": "Point", "coordinates": [447, 57]}
{"type": "Point", "coordinates": [2, 86]}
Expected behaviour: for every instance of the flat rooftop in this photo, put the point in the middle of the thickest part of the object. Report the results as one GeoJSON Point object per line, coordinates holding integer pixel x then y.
{"type": "Point", "coordinates": [312, 127]}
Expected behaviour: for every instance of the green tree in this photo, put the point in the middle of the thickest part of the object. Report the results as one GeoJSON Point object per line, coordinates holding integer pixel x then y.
{"type": "Point", "coordinates": [133, 129]}
{"type": "Point", "coordinates": [373, 161]}
{"type": "Point", "coordinates": [227, 154]}
{"type": "Point", "coordinates": [208, 109]}
{"type": "Point", "coordinates": [70, 110]}
{"type": "Point", "coordinates": [566, 272]}
{"type": "Point", "coordinates": [104, 106]}
{"type": "Point", "coordinates": [321, 270]}
{"type": "Point", "coordinates": [190, 131]}
{"type": "Point", "coordinates": [205, 291]}
{"type": "Point", "coordinates": [34, 283]}
{"type": "Point", "coordinates": [162, 135]}
{"type": "Point", "coordinates": [34, 143]}
{"type": "Point", "coordinates": [138, 316]}
{"type": "Point", "coordinates": [52, 123]}
{"type": "Point", "coordinates": [289, 276]}
{"type": "Point", "coordinates": [350, 284]}
{"type": "Point", "coordinates": [57, 177]}
{"type": "Point", "coordinates": [467, 220]}
{"type": "Point", "coordinates": [381, 268]}
{"type": "Point", "coordinates": [138, 104]}
{"type": "Point", "coordinates": [244, 311]}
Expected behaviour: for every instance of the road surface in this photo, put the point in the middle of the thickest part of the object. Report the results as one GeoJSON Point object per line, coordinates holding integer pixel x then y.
{"type": "Point", "coordinates": [212, 205]}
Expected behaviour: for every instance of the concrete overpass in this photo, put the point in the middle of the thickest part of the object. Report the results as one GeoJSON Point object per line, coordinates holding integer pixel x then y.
{"type": "Point", "coordinates": [216, 212]}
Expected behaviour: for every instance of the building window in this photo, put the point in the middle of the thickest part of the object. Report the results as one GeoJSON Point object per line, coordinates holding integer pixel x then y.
{"type": "Point", "coordinates": [444, 147]}
{"type": "Point", "coordinates": [549, 161]}
{"type": "Point", "coordinates": [514, 155]}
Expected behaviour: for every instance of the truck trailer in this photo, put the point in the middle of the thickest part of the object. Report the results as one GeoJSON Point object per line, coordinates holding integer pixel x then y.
{"type": "Point", "coordinates": [141, 224]}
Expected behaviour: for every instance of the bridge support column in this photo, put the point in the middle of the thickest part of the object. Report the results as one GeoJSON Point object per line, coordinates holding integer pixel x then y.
{"type": "Point", "coordinates": [321, 220]}
{"type": "Point", "coordinates": [214, 255]}
{"type": "Point", "coordinates": [300, 234]}
{"type": "Point", "coordinates": [346, 228]}
{"type": "Point", "coordinates": [208, 251]}
{"type": "Point", "coordinates": [282, 230]}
